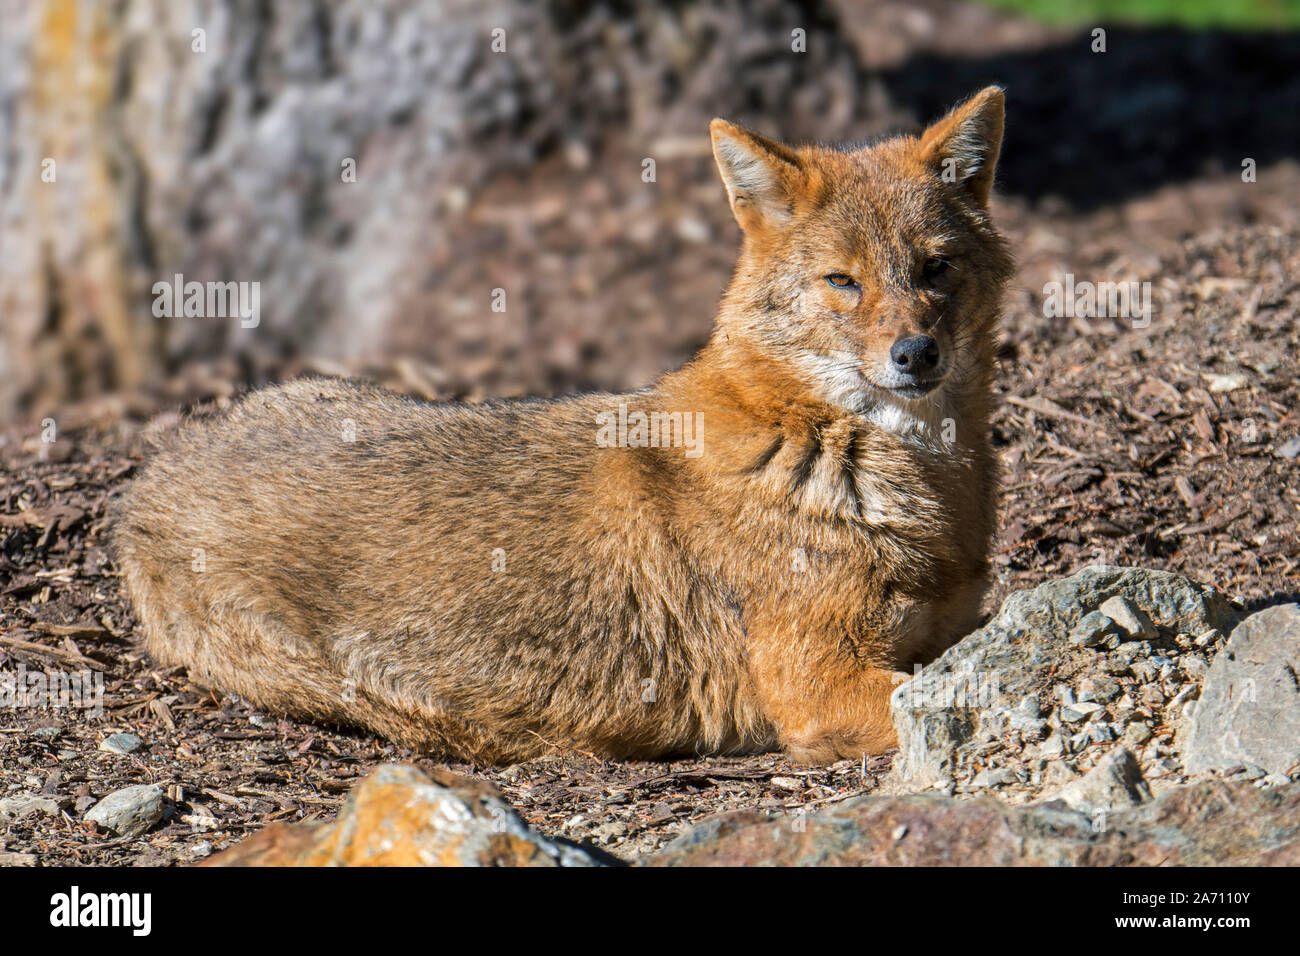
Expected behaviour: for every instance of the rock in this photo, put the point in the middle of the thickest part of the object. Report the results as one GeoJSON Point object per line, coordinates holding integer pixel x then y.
{"type": "Point", "coordinates": [1132, 619]}
{"type": "Point", "coordinates": [1115, 783]}
{"type": "Point", "coordinates": [609, 832]}
{"type": "Point", "coordinates": [130, 812]}
{"type": "Point", "coordinates": [1230, 382]}
{"type": "Point", "coordinates": [1098, 689]}
{"type": "Point", "coordinates": [1135, 735]}
{"type": "Point", "coordinates": [988, 779]}
{"type": "Point", "coordinates": [1212, 822]}
{"type": "Point", "coordinates": [398, 816]}
{"type": "Point", "coordinates": [1073, 713]}
{"type": "Point", "coordinates": [1288, 450]}
{"type": "Point", "coordinates": [1092, 630]}
{"type": "Point", "coordinates": [1053, 746]}
{"type": "Point", "coordinates": [968, 694]}
{"type": "Point", "coordinates": [121, 743]}
{"type": "Point", "coordinates": [1249, 708]}
{"type": "Point", "coordinates": [25, 804]}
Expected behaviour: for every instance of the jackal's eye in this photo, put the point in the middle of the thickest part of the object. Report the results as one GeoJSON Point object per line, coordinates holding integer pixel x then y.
{"type": "Point", "coordinates": [934, 268]}
{"type": "Point", "coordinates": [841, 281]}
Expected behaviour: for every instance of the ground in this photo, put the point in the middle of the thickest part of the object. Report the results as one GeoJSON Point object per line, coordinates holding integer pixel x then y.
{"type": "Point", "coordinates": [1171, 446]}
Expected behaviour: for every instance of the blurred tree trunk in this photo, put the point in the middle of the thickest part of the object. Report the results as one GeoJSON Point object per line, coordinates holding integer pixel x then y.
{"type": "Point", "coordinates": [214, 140]}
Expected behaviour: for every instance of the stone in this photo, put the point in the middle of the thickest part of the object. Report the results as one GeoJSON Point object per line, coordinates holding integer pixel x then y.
{"type": "Point", "coordinates": [121, 744]}
{"type": "Point", "coordinates": [1135, 735]}
{"type": "Point", "coordinates": [1229, 382]}
{"type": "Point", "coordinates": [1073, 713]}
{"type": "Point", "coordinates": [1114, 783]}
{"type": "Point", "coordinates": [397, 816]}
{"type": "Point", "coordinates": [995, 777]}
{"type": "Point", "coordinates": [1289, 449]}
{"type": "Point", "coordinates": [131, 811]}
{"type": "Point", "coordinates": [1249, 706]}
{"type": "Point", "coordinates": [1131, 618]}
{"type": "Point", "coordinates": [23, 805]}
{"type": "Point", "coordinates": [968, 693]}
{"type": "Point", "coordinates": [1212, 822]}
{"type": "Point", "coordinates": [1098, 689]}
{"type": "Point", "coordinates": [1092, 630]}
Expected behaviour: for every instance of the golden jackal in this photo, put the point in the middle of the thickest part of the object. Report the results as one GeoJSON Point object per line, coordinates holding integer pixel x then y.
{"type": "Point", "coordinates": [742, 556]}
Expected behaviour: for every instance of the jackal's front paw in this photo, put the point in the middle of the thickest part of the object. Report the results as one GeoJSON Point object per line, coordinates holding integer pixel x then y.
{"type": "Point", "coordinates": [830, 747]}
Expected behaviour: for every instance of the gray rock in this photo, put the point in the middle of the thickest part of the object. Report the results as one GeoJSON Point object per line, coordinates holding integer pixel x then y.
{"type": "Point", "coordinates": [130, 812]}
{"type": "Point", "coordinates": [1073, 713]}
{"type": "Point", "coordinates": [22, 805]}
{"type": "Point", "coordinates": [1289, 449]}
{"type": "Point", "coordinates": [1116, 782]}
{"type": "Point", "coordinates": [1092, 630]}
{"type": "Point", "coordinates": [1135, 735]}
{"type": "Point", "coordinates": [1132, 619]}
{"type": "Point", "coordinates": [1031, 726]}
{"type": "Point", "coordinates": [1095, 689]}
{"type": "Point", "coordinates": [121, 743]}
{"type": "Point", "coordinates": [1053, 746]}
{"type": "Point", "coordinates": [969, 692]}
{"type": "Point", "coordinates": [996, 777]}
{"type": "Point", "coordinates": [1249, 708]}
{"type": "Point", "coordinates": [1212, 823]}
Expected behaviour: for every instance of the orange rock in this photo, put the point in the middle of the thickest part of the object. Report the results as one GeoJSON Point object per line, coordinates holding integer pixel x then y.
{"type": "Point", "coordinates": [399, 817]}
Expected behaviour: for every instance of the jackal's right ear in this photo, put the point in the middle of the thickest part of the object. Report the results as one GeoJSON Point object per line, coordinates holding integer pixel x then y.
{"type": "Point", "coordinates": [759, 174]}
{"type": "Point", "coordinates": [963, 146]}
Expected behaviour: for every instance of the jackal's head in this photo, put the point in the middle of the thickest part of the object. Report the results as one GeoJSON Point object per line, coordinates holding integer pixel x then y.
{"type": "Point", "coordinates": [872, 273]}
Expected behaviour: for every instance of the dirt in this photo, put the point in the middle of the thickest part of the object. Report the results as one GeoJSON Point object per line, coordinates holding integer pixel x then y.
{"type": "Point", "coordinates": [1163, 446]}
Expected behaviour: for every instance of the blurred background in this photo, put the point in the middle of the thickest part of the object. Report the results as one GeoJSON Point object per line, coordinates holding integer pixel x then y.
{"type": "Point", "coordinates": [382, 167]}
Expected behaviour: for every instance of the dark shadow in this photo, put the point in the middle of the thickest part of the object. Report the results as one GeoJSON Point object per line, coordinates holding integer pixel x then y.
{"type": "Point", "coordinates": [1161, 106]}
{"type": "Point", "coordinates": [1273, 600]}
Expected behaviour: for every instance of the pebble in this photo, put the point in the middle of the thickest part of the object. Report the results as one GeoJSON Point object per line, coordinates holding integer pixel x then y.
{"type": "Point", "coordinates": [121, 744]}
{"type": "Point", "coordinates": [1078, 711]}
{"type": "Point", "coordinates": [1098, 689]}
{"type": "Point", "coordinates": [1137, 734]}
{"type": "Point", "coordinates": [609, 832]}
{"type": "Point", "coordinates": [1130, 618]}
{"type": "Point", "coordinates": [130, 812]}
{"type": "Point", "coordinates": [25, 804]}
{"type": "Point", "coordinates": [995, 777]}
{"type": "Point", "coordinates": [1093, 629]}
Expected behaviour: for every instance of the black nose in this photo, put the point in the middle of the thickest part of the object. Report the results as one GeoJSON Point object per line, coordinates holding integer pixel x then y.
{"type": "Point", "coordinates": [915, 354]}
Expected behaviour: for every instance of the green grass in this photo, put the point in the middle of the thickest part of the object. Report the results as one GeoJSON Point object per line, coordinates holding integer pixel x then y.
{"type": "Point", "coordinates": [1237, 14]}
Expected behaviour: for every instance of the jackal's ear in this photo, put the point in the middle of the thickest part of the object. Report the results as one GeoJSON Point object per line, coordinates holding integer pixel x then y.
{"type": "Point", "coordinates": [963, 146]}
{"type": "Point", "coordinates": [759, 174]}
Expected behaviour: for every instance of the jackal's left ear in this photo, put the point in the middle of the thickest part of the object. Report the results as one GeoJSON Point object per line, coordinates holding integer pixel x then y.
{"type": "Point", "coordinates": [963, 146]}
{"type": "Point", "coordinates": [760, 174]}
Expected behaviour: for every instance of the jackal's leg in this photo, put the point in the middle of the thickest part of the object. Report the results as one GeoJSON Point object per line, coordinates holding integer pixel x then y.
{"type": "Point", "coordinates": [824, 705]}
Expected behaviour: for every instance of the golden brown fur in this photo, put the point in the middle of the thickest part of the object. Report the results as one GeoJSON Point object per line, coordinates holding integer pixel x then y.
{"type": "Point", "coordinates": [490, 582]}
